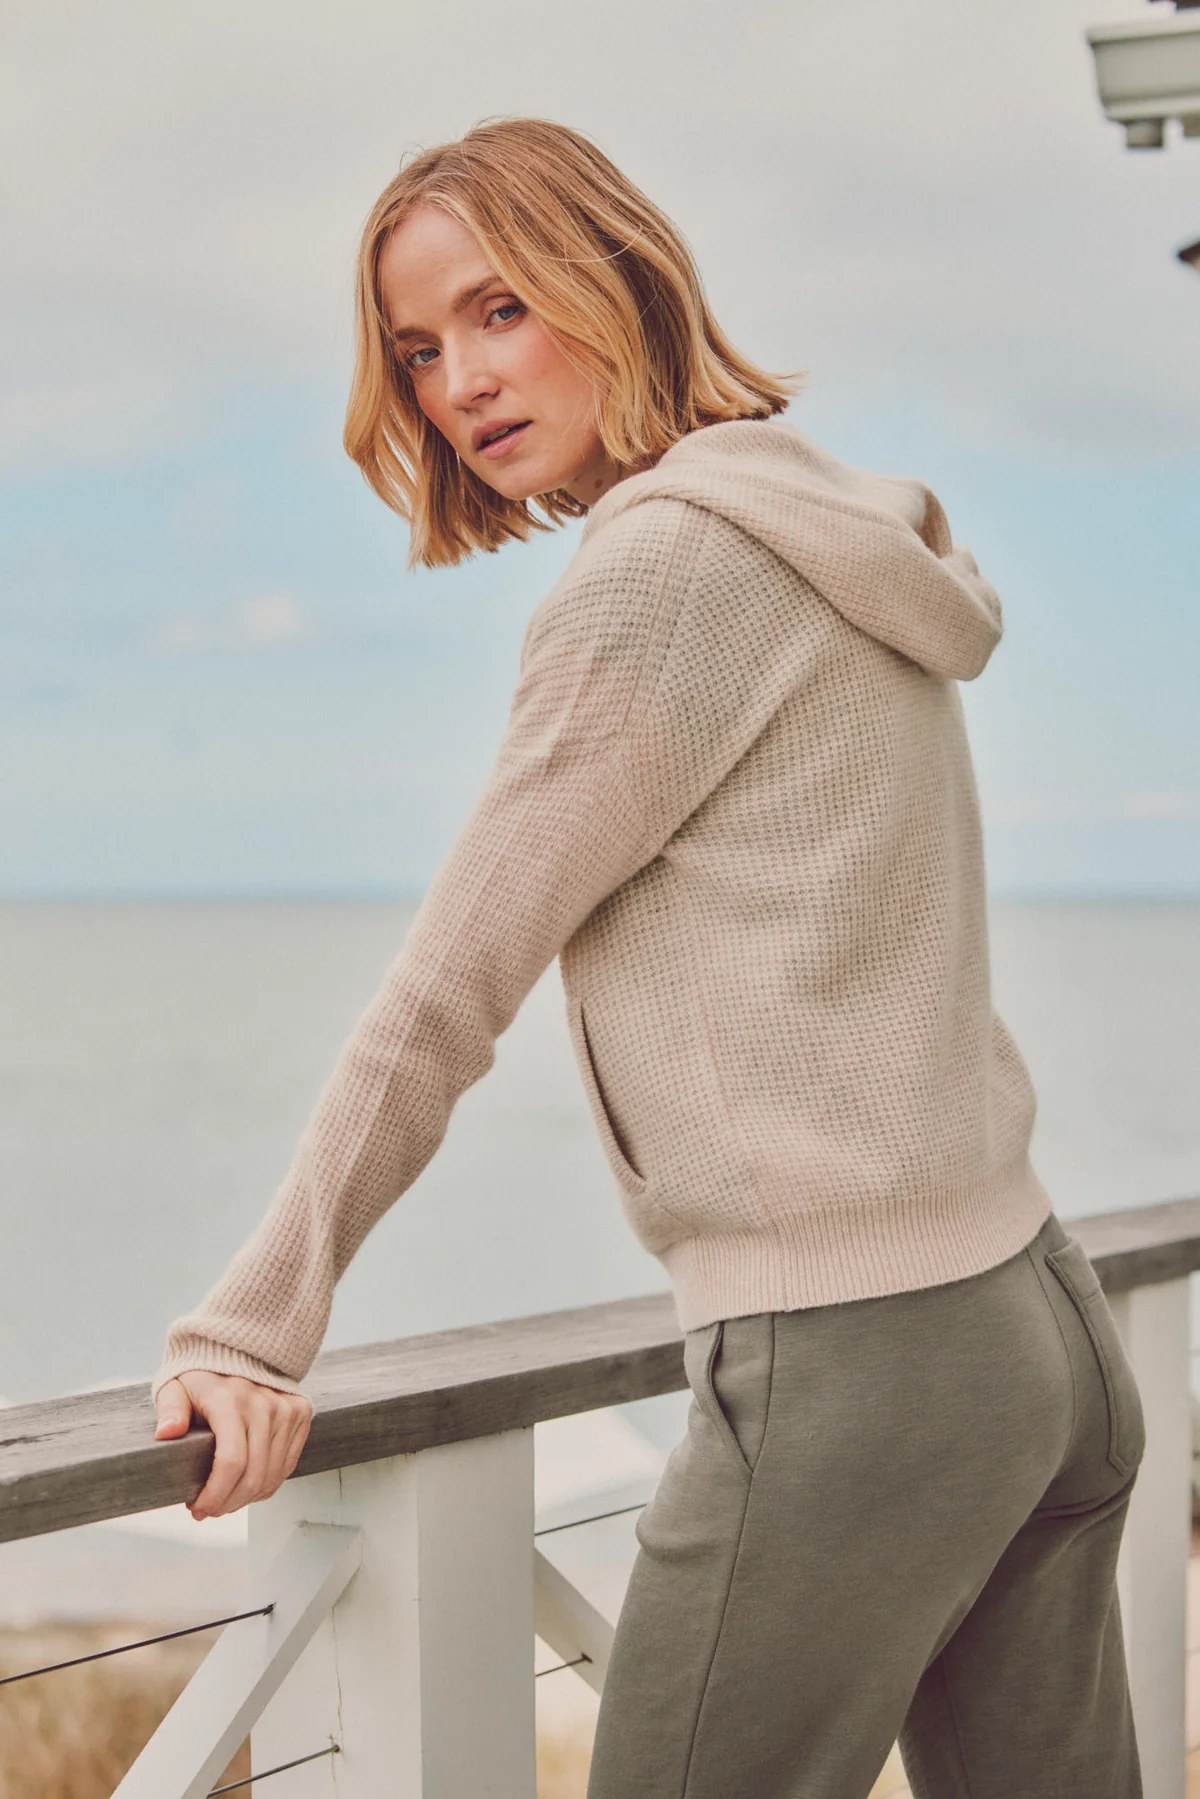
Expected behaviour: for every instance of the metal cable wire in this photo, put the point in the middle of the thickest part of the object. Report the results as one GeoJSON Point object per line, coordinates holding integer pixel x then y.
{"type": "Point", "coordinates": [548, 1530]}
{"type": "Point", "coordinates": [234, 1785]}
{"type": "Point", "coordinates": [557, 1668]}
{"type": "Point", "coordinates": [98, 1655]}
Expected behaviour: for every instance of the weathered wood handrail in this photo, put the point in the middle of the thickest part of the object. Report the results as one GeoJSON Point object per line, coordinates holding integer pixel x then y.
{"type": "Point", "coordinates": [92, 1456]}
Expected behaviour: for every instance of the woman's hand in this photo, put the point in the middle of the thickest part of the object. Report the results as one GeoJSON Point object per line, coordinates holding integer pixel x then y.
{"type": "Point", "coordinates": [259, 1435]}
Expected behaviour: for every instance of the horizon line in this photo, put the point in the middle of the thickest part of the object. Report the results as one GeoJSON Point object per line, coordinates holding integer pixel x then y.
{"type": "Point", "coordinates": [359, 895]}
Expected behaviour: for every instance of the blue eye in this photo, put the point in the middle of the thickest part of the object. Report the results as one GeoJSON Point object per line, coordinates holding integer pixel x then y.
{"type": "Point", "coordinates": [510, 306]}
{"type": "Point", "coordinates": [428, 351]}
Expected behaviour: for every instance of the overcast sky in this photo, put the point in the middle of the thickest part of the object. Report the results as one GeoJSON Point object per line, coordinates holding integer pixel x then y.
{"type": "Point", "coordinates": [217, 676]}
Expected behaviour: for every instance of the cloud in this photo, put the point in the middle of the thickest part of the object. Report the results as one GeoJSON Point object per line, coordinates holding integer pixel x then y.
{"type": "Point", "coordinates": [266, 622]}
{"type": "Point", "coordinates": [926, 203]}
{"type": "Point", "coordinates": [1177, 805]}
{"type": "Point", "coordinates": [1103, 809]}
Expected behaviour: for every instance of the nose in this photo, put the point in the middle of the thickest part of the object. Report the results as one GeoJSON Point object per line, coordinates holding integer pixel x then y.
{"type": "Point", "coordinates": [467, 376]}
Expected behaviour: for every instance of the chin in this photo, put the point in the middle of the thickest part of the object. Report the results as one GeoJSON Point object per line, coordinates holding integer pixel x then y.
{"type": "Point", "coordinates": [521, 484]}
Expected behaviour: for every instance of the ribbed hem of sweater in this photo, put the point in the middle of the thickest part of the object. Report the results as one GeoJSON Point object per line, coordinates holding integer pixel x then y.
{"type": "Point", "coordinates": [200, 1354]}
{"type": "Point", "coordinates": [826, 1255]}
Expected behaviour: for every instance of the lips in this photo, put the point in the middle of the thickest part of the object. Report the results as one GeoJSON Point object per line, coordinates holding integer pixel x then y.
{"type": "Point", "coordinates": [492, 439]}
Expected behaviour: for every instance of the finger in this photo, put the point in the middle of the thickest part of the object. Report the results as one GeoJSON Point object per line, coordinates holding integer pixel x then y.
{"type": "Point", "coordinates": [296, 1440]}
{"type": "Point", "coordinates": [289, 1428]}
{"type": "Point", "coordinates": [277, 1448]}
{"type": "Point", "coordinates": [293, 1415]}
{"type": "Point", "coordinates": [174, 1409]}
{"type": "Point", "coordinates": [256, 1411]}
{"type": "Point", "coordinates": [229, 1460]}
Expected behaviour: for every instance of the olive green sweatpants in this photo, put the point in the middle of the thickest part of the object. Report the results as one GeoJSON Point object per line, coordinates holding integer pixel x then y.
{"type": "Point", "coordinates": [897, 1517]}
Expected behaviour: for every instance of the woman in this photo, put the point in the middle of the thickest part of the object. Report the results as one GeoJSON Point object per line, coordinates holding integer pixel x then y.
{"type": "Point", "coordinates": [734, 796]}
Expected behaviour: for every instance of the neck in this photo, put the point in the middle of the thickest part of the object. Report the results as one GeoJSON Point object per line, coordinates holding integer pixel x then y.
{"type": "Point", "coordinates": [591, 482]}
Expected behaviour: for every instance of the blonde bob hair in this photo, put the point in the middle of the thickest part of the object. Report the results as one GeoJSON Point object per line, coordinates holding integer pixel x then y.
{"type": "Point", "coordinates": [610, 278]}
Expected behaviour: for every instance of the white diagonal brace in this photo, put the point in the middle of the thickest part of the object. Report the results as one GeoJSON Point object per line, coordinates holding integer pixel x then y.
{"type": "Point", "coordinates": [212, 1717]}
{"type": "Point", "coordinates": [570, 1623]}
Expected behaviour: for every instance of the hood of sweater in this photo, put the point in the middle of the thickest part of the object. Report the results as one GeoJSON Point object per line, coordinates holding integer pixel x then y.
{"type": "Point", "coordinates": [876, 547]}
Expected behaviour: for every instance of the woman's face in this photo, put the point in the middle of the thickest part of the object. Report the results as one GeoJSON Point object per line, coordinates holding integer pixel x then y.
{"type": "Point", "coordinates": [481, 362]}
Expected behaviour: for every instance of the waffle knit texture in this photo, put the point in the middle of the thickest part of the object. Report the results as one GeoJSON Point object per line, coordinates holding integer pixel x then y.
{"type": "Point", "coordinates": [735, 798]}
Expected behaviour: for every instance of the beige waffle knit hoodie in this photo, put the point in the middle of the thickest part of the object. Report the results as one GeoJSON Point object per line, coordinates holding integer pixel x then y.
{"type": "Point", "coordinates": [734, 796]}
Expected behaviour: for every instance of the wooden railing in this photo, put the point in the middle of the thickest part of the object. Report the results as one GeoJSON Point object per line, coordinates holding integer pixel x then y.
{"type": "Point", "coordinates": [396, 1586]}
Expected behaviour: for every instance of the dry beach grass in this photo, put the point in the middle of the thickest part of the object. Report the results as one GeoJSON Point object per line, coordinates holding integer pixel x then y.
{"type": "Point", "coordinates": [73, 1734]}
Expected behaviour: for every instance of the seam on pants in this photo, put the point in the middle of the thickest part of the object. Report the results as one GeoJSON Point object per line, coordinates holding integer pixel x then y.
{"type": "Point", "coordinates": [770, 1387]}
{"type": "Point", "coordinates": [958, 1742]}
{"type": "Point", "coordinates": [1070, 1363]}
{"type": "Point", "coordinates": [687, 1772]}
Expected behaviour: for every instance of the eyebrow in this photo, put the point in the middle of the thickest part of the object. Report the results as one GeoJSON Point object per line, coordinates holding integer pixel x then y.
{"type": "Point", "coordinates": [459, 303]}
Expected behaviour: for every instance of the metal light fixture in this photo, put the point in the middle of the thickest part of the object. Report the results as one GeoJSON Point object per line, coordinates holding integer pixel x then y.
{"type": "Point", "coordinates": [1148, 71]}
{"type": "Point", "coordinates": [1144, 134]}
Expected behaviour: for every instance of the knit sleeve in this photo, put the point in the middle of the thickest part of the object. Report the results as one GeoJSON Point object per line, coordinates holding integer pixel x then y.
{"type": "Point", "coordinates": [598, 766]}
{"type": "Point", "coordinates": [557, 826]}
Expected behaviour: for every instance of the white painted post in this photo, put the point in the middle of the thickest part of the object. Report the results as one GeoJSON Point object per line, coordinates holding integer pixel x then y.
{"type": "Point", "coordinates": [424, 1673]}
{"type": "Point", "coordinates": [1152, 1574]}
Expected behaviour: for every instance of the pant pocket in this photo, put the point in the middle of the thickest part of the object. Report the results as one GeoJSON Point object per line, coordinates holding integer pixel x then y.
{"type": "Point", "coordinates": [729, 1365]}
{"type": "Point", "coordinates": [1126, 1426]}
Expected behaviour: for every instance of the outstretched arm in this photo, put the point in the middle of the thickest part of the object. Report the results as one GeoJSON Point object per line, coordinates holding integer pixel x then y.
{"type": "Point", "coordinates": [620, 726]}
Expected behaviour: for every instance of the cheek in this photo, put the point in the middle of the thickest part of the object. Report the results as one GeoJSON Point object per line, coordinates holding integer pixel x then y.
{"type": "Point", "coordinates": [427, 401]}
{"type": "Point", "coordinates": [549, 381]}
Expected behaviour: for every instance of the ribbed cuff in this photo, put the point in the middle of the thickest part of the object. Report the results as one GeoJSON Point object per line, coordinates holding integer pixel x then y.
{"type": "Point", "coordinates": [200, 1354]}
